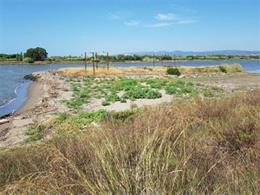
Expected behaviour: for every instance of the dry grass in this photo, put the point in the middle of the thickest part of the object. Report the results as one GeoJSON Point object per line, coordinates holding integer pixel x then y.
{"type": "Point", "coordinates": [208, 146]}
{"type": "Point", "coordinates": [75, 72]}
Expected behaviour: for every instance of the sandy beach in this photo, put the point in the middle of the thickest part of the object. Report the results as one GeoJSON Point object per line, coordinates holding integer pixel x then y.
{"type": "Point", "coordinates": [35, 92]}
{"type": "Point", "coordinates": [36, 108]}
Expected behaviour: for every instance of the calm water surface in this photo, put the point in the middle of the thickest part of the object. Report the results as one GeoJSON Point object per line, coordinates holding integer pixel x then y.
{"type": "Point", "coordinates": [13, 87]}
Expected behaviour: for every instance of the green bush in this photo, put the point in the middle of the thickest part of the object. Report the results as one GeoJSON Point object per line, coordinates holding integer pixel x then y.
{"type": "Point", "coordinates": [173, 71]}
{"type": "Point", "coordinates": [222, 69]}
{"type": "Point", "coordinates": [28, 60]}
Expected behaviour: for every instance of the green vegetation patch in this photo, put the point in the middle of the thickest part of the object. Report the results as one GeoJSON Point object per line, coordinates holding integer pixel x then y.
{"type": "Point", "coordinates": [123, 89]}
{"type": "Point", "coordinates": [35, 132]}
{"type": "Point", "coordinates": [179, 88]}
{"type": "Point", "coordinates": [111, 90]}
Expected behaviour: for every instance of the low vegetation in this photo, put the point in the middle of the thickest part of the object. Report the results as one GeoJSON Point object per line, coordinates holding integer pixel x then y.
{"type": "Point", "coordinates": [101, 72]}
{"type": "Point", "coordinates": [188, 147]}
{"type": "Point", "coordinates": [123, 89]}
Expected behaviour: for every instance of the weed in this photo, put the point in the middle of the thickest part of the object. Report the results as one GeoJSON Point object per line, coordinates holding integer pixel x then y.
{"type": "Point", "coordinates": [35, 132]}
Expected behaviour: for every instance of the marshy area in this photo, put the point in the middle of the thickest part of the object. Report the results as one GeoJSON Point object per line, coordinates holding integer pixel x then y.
{"type": "Point", "coordinates": [136, 131]}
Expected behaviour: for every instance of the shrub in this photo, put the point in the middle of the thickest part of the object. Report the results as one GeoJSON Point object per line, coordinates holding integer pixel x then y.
{"type": "Point", "coordinates": [173, 71]}
{"type": "Point", "coordinates": [222, 69]}
{"type": "Point", "coordinates": [28, 60]}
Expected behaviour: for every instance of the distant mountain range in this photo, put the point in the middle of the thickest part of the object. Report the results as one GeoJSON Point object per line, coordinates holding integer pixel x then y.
{"type": "Point", "coordinates": [187, 53]}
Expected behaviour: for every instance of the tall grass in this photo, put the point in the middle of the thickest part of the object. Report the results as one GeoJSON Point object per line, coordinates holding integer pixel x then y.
{"type": "Point", "coordinates": [209, 146]}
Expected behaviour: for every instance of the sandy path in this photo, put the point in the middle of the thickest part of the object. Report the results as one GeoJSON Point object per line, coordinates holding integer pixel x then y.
{"type": "Point", "coordinates": [237, 81]}
{"type": "Point", "coordinates": [96, 104]}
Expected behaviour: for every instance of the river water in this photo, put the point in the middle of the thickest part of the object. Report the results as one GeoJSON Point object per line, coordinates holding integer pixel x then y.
{"type": "Point", "coordinates": [13, 87]}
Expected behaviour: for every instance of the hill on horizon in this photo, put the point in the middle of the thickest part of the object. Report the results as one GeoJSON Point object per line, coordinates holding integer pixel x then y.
{"type": "Point", "coordinates": [187, 53]}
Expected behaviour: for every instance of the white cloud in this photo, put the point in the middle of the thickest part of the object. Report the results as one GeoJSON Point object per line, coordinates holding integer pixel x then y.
{"type": "Point", "coordinates": [187, 21]}
{"type": "Point", "coordinates": [132, 23]}
{"type": "Point", "coordinates": [159, 25]}
{"type": "Point", "coordinates": [160, 20]}
{"type": "Point", "coordinates": [165, 17]}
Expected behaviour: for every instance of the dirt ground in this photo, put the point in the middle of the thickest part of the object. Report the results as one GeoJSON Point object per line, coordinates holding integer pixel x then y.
{"type": "Point", "coordinates": [232, 81]}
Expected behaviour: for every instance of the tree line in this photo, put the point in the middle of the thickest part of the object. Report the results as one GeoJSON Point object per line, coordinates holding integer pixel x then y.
{"type": "Point", "coordinates": [40, 54]}
{"type": "Point", "coordinates": [31, 55]}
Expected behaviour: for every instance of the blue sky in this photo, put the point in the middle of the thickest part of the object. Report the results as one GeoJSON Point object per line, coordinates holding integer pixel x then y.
{"type": "Point", "coordinates": [70, 27]}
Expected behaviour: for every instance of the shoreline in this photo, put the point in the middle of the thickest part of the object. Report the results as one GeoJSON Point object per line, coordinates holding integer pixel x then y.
{"type": "Point", "coordinates": [34, 109]}
{"type": "Point", "coordinates": [34, 94]}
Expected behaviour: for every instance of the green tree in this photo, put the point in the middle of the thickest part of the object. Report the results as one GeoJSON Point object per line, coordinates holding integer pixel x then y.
{"type": "Point", "coordinates": [37, 54]}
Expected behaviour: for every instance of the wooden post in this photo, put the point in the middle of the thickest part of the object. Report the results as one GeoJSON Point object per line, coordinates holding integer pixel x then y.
{"type": "Point", "coordinates": [96, 59]}
{"type": "Point", "coordinates": [93, 61]}
{"type": "Point", "coordinates": [174, 61]}
{"type": "Point", "coordinates": [21, 56]}
{"type": "Point", "coordinates": [153, 60]}
{"type": "Point", "coordinates": [107, 61]}
{"type": "Point", "coordinates": [161, 60]}
{"type": "Point", "coordinates": [85, 60]}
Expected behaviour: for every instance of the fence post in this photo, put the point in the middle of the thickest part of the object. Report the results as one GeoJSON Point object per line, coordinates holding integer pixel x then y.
{"type": "Point", "coordinates": [107, 61]}
{"type": "Point", "coordinates": [96, 59]}
{"type": "Point", "coordinates": [93, 62]}
{"type": "Point", "coordinates": [85, 60]}
{"type": "Point", "coordinates": [153, 60]}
